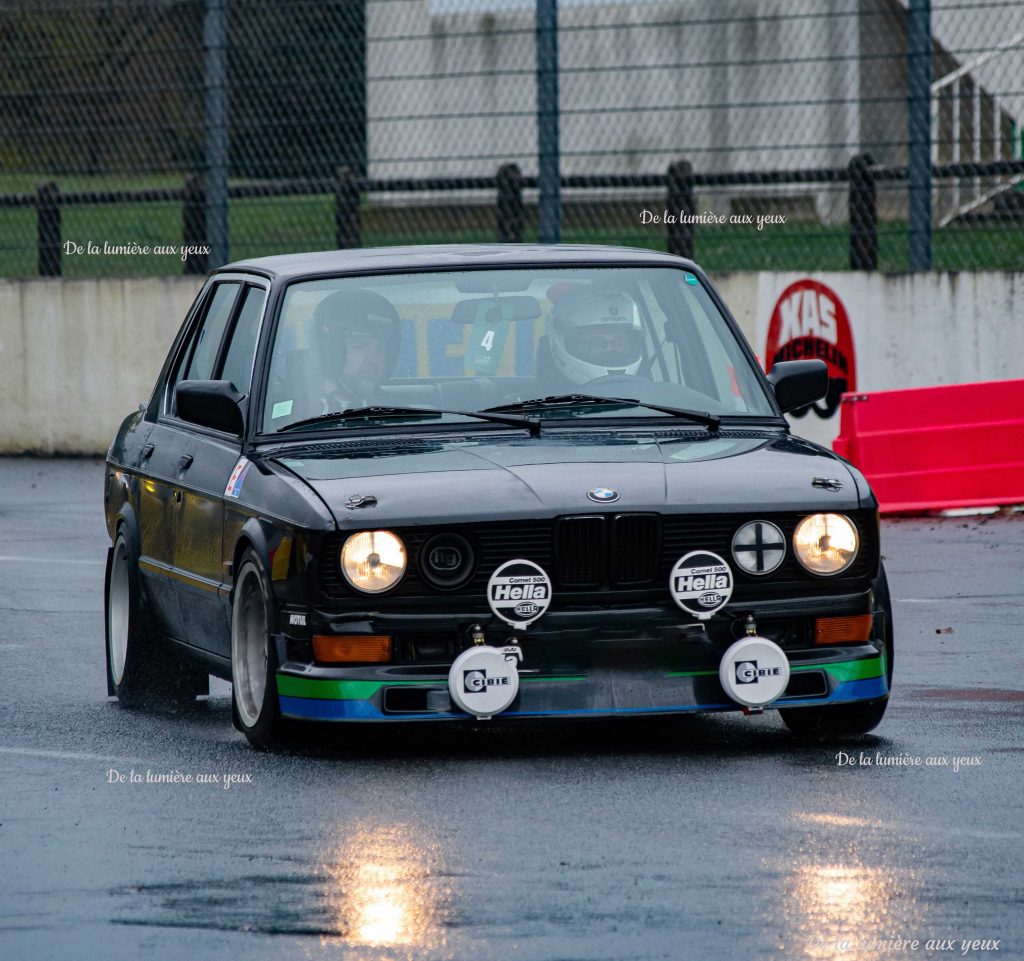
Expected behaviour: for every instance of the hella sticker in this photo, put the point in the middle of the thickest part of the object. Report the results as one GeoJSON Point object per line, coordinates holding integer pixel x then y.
{"type": "Point", "coordinates": [701, 583]}
{"type": "Point", "coordinates": [519, 592]}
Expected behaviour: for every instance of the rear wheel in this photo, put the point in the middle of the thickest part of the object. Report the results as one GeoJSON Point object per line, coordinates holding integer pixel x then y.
{"type": "Point", "coordinates": [256, 711]}
{"type": "Point", "coordinates": [849, 720]}
{"type": "Point", "coordinates": [141, 672]}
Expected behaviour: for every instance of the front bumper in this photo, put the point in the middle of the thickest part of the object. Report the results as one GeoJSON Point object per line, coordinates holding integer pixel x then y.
{"type": "Point", "coordinates": [827, 676]}
{"type": "Point", "coordinates": [598, 663]}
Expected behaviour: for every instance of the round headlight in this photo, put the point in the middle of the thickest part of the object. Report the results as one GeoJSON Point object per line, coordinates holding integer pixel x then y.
{"type": "Point", "coordinates": [759, 547]}
{"type": "Point", "coordinates": [373, 561]}
{"type": "Point", "coordinates": [825, 543]}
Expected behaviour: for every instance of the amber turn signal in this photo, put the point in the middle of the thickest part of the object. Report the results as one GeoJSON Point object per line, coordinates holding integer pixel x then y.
{"type": "Point", "coordinates": [842, 630]}
{"type": "Point", "coordinates": [356, 649]}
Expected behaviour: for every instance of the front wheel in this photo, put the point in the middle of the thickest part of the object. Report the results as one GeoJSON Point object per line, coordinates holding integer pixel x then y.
{"type": "Point", "coordinates": [255, 708]}
{"type": "Point", "coordinates": [849, 720]}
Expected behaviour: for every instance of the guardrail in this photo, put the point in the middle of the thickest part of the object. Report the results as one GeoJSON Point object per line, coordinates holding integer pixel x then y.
{"type": "Point", "coordinates": [681, 183]}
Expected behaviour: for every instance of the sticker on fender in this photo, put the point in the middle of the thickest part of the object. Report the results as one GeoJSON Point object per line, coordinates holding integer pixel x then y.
{"type": "Point", "coordinates": [237, 478]}
{"type": "Point", "coordinates": [519, 592]}
{"type": "Point", "coordinates": [701, 583]}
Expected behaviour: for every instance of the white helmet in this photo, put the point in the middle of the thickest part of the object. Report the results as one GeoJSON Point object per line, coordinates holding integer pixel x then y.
{"type": "Point", "coordinates": [595, 332]}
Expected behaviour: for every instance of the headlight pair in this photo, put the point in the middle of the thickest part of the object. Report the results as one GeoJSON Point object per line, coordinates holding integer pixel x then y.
{"type": "Point", "coordinates": [824, 544]}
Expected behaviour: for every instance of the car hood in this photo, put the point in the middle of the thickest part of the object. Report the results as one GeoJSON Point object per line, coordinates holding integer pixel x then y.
{"type": "Point", "coordinates": [467, 478]}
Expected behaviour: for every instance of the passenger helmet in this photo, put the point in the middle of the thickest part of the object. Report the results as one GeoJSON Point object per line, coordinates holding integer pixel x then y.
{"type": "Point", "coordinates": [595, 332]}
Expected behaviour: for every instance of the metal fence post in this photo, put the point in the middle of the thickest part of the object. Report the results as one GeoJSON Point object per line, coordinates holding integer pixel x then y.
{"type": "Point", "coordinates": [193, 225]}
{"type": "Point", "coordinates": [549, 176]}
{"type": "Point", "coordinates": [681, 206]}
{"type": "Point", "coordinates": [919, 82]}
{"type": "Point", "coordinates": [216, 89]}
{"type": "Point", "coordinates": [511, 217]}
{"type": "Point", "coordinates": [48, 234]}
{"type": "Point", "coordinates": [863, 214]}
{"type": "Point", "coordinates": [347, 228]}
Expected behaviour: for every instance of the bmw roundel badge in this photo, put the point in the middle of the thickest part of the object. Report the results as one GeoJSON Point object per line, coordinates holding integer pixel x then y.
{"type": "Point", "coordinates": [603, 495]}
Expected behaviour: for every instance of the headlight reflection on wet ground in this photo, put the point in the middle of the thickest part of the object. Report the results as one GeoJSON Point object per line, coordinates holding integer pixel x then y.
{"type": "Point", "coordinates": [842, 895]}
{"type": "Point", "coordinates": [385, 887]}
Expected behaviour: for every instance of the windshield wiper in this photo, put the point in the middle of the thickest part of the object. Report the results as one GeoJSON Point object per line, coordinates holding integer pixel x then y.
{"type": "Point", "coordinates": [711, 421]}
{"type": "Point", "coordinates": [380, 413]}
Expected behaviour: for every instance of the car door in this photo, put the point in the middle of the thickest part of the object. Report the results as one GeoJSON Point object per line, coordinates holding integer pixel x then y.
{"type": "Point", "coordinates": [201, 558]}
{"type": "Point", "coordinates": [167, 457]}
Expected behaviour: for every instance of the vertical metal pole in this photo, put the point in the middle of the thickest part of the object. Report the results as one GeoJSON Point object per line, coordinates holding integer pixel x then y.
{"type": "Point", "coordinates": [549, 179]}
{"type": "Point", "coordinates": [216, 86]}
{"type": "Point", "coordinates": [919, 81]}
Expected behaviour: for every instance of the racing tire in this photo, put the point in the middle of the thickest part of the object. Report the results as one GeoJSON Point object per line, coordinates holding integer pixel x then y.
{"type": "Point", "coordinates": [255, 708]}
{"type": "Point", "coordinates": [141, 671]}
{"type": "Point", "coordinates": [849, 720]}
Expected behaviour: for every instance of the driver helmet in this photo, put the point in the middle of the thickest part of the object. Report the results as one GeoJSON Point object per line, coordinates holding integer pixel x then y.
{"type": "Point", "coordinates": [347, 311]}
{"type": "Point", "coordinates": [595, 332]}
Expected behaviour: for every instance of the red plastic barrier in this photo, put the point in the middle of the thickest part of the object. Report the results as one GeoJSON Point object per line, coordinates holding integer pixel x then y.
{"type": "Point", "coordinates": [934, 448]}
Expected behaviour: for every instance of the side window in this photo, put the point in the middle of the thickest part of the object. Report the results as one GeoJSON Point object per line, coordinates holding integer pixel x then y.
{"type": "Point", "coordinates": [204, 353]}
{"type": "Point", "coordinates": [242, 348]}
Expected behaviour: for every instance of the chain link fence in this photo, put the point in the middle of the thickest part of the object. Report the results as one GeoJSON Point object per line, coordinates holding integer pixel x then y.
{"type": "Point", "coordinates": [162, 136]}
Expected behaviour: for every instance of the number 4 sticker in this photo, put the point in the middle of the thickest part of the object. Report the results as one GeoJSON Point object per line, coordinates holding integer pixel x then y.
{"type": "Point", "coordinates": [486, 340]}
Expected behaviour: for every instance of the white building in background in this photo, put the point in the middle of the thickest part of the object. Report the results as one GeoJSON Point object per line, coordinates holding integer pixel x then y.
{"type": "Point", "coordinates": [731, 85]}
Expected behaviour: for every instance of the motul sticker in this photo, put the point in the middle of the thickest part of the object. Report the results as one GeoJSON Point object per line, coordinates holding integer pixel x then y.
{"type": "Point", "coordinates": [519, 592]}
{"type": "Point", "coordinates": [809, 322]}
{"type": "Point", "coordinates": [701, 583]}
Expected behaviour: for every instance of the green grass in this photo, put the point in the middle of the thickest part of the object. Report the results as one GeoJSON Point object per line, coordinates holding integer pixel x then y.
{"type": "Point", "coordinates": [288, 224]}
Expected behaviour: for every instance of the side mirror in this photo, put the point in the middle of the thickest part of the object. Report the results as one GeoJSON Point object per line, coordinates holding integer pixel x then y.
{"type": "Point", "coordinates": [210, 403]}
{"type": "Point", "coordinates": [798, 383]}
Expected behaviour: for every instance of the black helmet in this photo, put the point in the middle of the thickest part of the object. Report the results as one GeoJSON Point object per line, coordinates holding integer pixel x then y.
{"type": "Point", "coordinates": [353, 310]}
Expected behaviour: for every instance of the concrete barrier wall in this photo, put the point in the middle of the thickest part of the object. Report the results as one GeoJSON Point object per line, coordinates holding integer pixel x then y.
{"type": "Point", "coordinates": [77, 355]}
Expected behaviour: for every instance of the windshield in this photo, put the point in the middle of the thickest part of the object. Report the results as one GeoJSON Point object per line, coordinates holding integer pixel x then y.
{"type": "Point", "coordinates": [482, 339]}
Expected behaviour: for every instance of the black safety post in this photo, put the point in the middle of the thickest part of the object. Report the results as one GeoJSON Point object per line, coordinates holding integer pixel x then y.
{"type": "Point", "coordinates": [511, 217]}
{"type": "Point", "coordinates": [681, 207]}
{"type": "Point", "coordinates": [347, 227]}
{"type": "Point", "coordinates": [48, 221]}
{"type": "Point", "coordinates": [863, 214]}
{"type": "Point", "coordinates": [193, 226]}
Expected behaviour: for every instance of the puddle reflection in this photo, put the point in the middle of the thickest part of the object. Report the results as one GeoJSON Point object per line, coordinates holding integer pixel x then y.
{"type": "Point", "coordinates": [842, 906]}
{"type": "Point", "coordinates": [386, 888]}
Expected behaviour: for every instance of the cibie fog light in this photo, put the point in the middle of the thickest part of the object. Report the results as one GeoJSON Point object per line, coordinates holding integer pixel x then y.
{"type": "Point", "coordinates": [373, 561]}
{"type": "Point", "coordinates": [825, 543]}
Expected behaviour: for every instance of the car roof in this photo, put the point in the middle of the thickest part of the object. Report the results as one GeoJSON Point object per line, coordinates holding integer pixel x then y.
{"type": "Point", "coordinates": [449, 256]}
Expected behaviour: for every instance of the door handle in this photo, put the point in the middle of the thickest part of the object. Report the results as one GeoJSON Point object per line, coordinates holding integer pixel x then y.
{"type": "Point", "coordinates": [186, 461]}
{"type": "Point", "coordinates": [177, 497]}
{"type": "Point", "coordinates": [147, 451]}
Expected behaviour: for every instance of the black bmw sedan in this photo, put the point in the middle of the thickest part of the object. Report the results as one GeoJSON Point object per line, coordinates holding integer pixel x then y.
{"type": "Point", "coordinates": [455, 483]}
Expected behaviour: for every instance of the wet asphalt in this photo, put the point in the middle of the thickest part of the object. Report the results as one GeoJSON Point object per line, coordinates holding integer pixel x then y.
{"type": "Point", "coordinates": [704, 838]}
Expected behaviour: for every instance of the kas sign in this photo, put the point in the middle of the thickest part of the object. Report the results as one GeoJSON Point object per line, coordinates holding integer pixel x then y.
{"type": "Point", "coordinates": [810, 322]}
